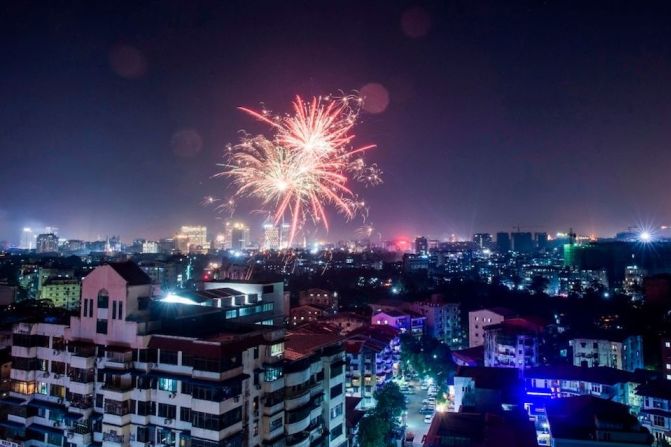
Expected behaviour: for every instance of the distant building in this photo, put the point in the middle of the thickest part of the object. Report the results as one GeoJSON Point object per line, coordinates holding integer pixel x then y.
{"type": "Point", "coordinates": [406, 322]}
{"type": "Point", "coordinates": [308, 313]}
{"type": "Point", "coordinates": [150, 247]}
{"type": "Point", "coordinates": [192, 239]}
{"type": "Point", "coordinates": [522, 242]}
{"type": "Point", "coordinates": [478, 319]}
{"type": "Point", "coordinates": [47, 243]}
{"type": "Point", "coordinates": [513, 343]}
{"type": "Point", "coordinates": [482, 389]}
{"type": "Point", "coordinates": [443, 321]}
{"type": "Point", "coordinates": [62, 292]}
{"type": "Point", "coordinates": [615, 351]}
{"type": "Point", "coordinates": [321, 297]}
{"type": "Point", "coordinates": [590, 421]}
{"type": "Point", "coordinates": [415, 262]}
{"type": "Point", "coordinates": [483, 240]}
{"type": "Point", "coordinates": [541, 241]}
{"type": "Point", "coordinates": [271, 237]}
{"type": "Point", "coordinates": [237, 236]}
{"type": "Point", "coordinates": [503, 242]}
{"type": "Point", "coordinates": [421, 245]}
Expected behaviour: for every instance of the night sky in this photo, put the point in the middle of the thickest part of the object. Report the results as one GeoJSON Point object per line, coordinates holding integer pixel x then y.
{"type": "Point", "coordinates": [546, 115]}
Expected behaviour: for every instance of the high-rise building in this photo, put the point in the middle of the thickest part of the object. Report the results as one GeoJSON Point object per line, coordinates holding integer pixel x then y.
{"type": "Point", "coordinates": [271, 237]}
{"type": "Point", "coordinates": [150, 247]}
{"type": "Point", "coordinates": [237, 236]}
{"type": "Point", "coordinates": [47, 243]}
{"type": "Point", "coordinates": [192, 239]}
{"type": "Point", "coordinates": [503, 242]}
{"type": "Point", "coordinates": [483, 240]}
{"type": "Point", "coordinates": [541, 240]}
{"type": "Point", "coordinates": [421, 245]}
{"type": "Point", "coordinates": [522, 242]}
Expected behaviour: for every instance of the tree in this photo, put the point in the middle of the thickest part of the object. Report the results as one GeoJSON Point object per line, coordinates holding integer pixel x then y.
{"type": "Point", "coordinates": [373, 431]}
{"type": "Point", "coordinates": [390, 402]}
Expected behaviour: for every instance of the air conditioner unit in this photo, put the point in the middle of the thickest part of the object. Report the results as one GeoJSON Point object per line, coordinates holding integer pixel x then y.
{"type": "Point", "coordinates": [46, 374]}
{"type": "Point", "coordinates": [70, 435]}
{"type": "Point", "coordinates": [151, 365]}
{"type": "Point", "coordinates": [57, 376]}
{"type": "Point", "coordinates": [60, 400]}
{"type": "Point", "coordinates": [172, 395]}
{"type": "Point", "coordinates": [132, 437]}
{"type": "Point", "coordinates": [57, 424]}
{"type": "Point", "coordinates": [167, 421]}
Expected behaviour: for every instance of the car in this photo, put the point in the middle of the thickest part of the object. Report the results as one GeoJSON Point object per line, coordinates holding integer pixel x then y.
{"type": "Point", "coordinates": [425, 401]}
{"type": "Point", "coordinates": [431, 400]}
{"type": "Point", "coordinates": [428, 418]}
{"type": "Point", "coordinates": [423, 387]}
{"type": "Point", "coordinates": [426, 410]}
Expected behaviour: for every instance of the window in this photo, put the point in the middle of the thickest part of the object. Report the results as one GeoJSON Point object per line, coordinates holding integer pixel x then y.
{"type": "Point", "coordinates": [101, 326]}
{"type": "Point", "coordinates": [86, 308]}
{"type": "Point", "coordinates": [167, 411]}
{"type": "Point", "coordinates": [120, 312]}
{"type": "Point", "coordinates": [99, 400]}
{"type": "Point", "coordinates": [146, 408]}
{"type": "Point", "coordinates": [117, 408]}
{"type": "Point", "coordinates": [42, 388]}
{"type": "Point", "coordinates": [268, 289]}
{"type": "Point", "coordinates": [658, 420]}
{"type": "Point", "coordinates": [165, 384]}
{"type": "Point", "coordinates": [275, 424]}
{"type": "Point", "coordinates": [185, 414]}
{"type": "Point", "coordinates": [148, 355]}
{"type": "Point", "coordinates": [103, 299]}
{"type": "Point", "coordinates": [336, 411]}
{"type": "Point", "coordinates": [169, 357]}
{"type": "Point", "coordinates": [143, 434]}
{"type": "Point", "coordinates": [277, 349]}
{"type": "Point", "coordinates": [57, 391]}
{"type": "Point", "coordinates": [667, 344]}
{"type": "Point", "coordinates": [273, 373]}
{"type": "Point", "coordinates": [668, 366]}
{"type": "Point", "coordinates": [233, 313]}
{"type": "Point", "coordinates": [336, 390]}
{"type": "Point", "coordinates": [113, 310]}
{"type": "Point", "coordinates": [337, 431]}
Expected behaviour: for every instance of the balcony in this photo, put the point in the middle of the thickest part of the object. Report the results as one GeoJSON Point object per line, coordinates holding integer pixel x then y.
{"type": "Point", "coordinates": [298, 440]}
{"type": "Point", "coordinates": [297, 400]}
{"type": "Point", "coordinates": [113, 437]}
{"type": "Point", "coordinates": [297, 420]}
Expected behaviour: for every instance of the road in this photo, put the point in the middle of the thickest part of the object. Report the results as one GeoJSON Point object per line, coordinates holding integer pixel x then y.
{"type": "Point", "coordinates": [414, 420]}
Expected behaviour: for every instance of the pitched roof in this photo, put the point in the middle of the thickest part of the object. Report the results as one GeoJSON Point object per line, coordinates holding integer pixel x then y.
{"type": "Point", "coordinates": [131, 272]}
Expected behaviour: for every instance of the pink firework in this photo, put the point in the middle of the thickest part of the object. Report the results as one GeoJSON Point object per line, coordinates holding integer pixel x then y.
{"type": "Point", "coordinates": [307, 163]}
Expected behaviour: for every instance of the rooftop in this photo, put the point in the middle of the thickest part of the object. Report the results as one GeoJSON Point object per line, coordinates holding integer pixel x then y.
{"type": "Point", "coordinates": [660, 389]}
{"type": "Point", "coordinates": [131, 273]}
{"type": "Point", "coordinates": [601, 374]}
{"type": "Point", "coordinates": [587, 417]}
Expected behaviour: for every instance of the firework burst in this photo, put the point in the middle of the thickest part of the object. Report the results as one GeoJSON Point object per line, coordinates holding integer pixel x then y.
{"type": "Point", "coordinates": [306, 165]}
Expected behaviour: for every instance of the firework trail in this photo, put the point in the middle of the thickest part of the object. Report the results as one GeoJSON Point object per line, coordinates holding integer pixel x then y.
{"type": "Point", "coordinates": [306, 165]}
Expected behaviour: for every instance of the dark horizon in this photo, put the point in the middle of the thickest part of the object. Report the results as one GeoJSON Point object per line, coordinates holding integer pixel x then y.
{"type": "Point", "coordinates": [542, 115]}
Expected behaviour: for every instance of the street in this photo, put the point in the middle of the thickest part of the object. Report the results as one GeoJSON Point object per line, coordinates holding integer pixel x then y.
{"type": "Point", "coordinates": [415, 421]}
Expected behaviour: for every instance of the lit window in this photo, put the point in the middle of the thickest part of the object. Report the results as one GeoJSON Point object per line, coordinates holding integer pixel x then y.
{"type": "Point", "coordinates": [167, 384]}
{"type": "Point", "coordinates": [668, 366]}
{"type": "Point", "coordinates": [668, 344]}
{"type": "Point", "coordinates": [277, 349]}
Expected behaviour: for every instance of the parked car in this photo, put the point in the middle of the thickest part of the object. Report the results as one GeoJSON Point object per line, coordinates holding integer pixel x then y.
{"type": "Point", "coordinates": [426, 410]}
{"type": "Point", "coordinates": [428, 418]}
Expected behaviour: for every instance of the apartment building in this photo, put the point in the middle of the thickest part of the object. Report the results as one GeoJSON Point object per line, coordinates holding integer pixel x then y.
{"type": "Point", "coordinates": [513, 343]}
{"type": "Point", "coordinates": [655, 414]}
{"type": "Point", "coordinates": [618, 351]}
{"type": "Point", "coordinates": [443, 321]}
{"type": "Point", "coordinates": [132, 371]}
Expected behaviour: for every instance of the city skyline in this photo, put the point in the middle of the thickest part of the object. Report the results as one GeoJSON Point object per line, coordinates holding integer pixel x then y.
{"type": "Point", "coordinates": [485, 116]}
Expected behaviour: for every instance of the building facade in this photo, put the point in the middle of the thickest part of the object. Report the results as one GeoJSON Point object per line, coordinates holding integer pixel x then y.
{"type": "Point", "coordinates": [615, 352]}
